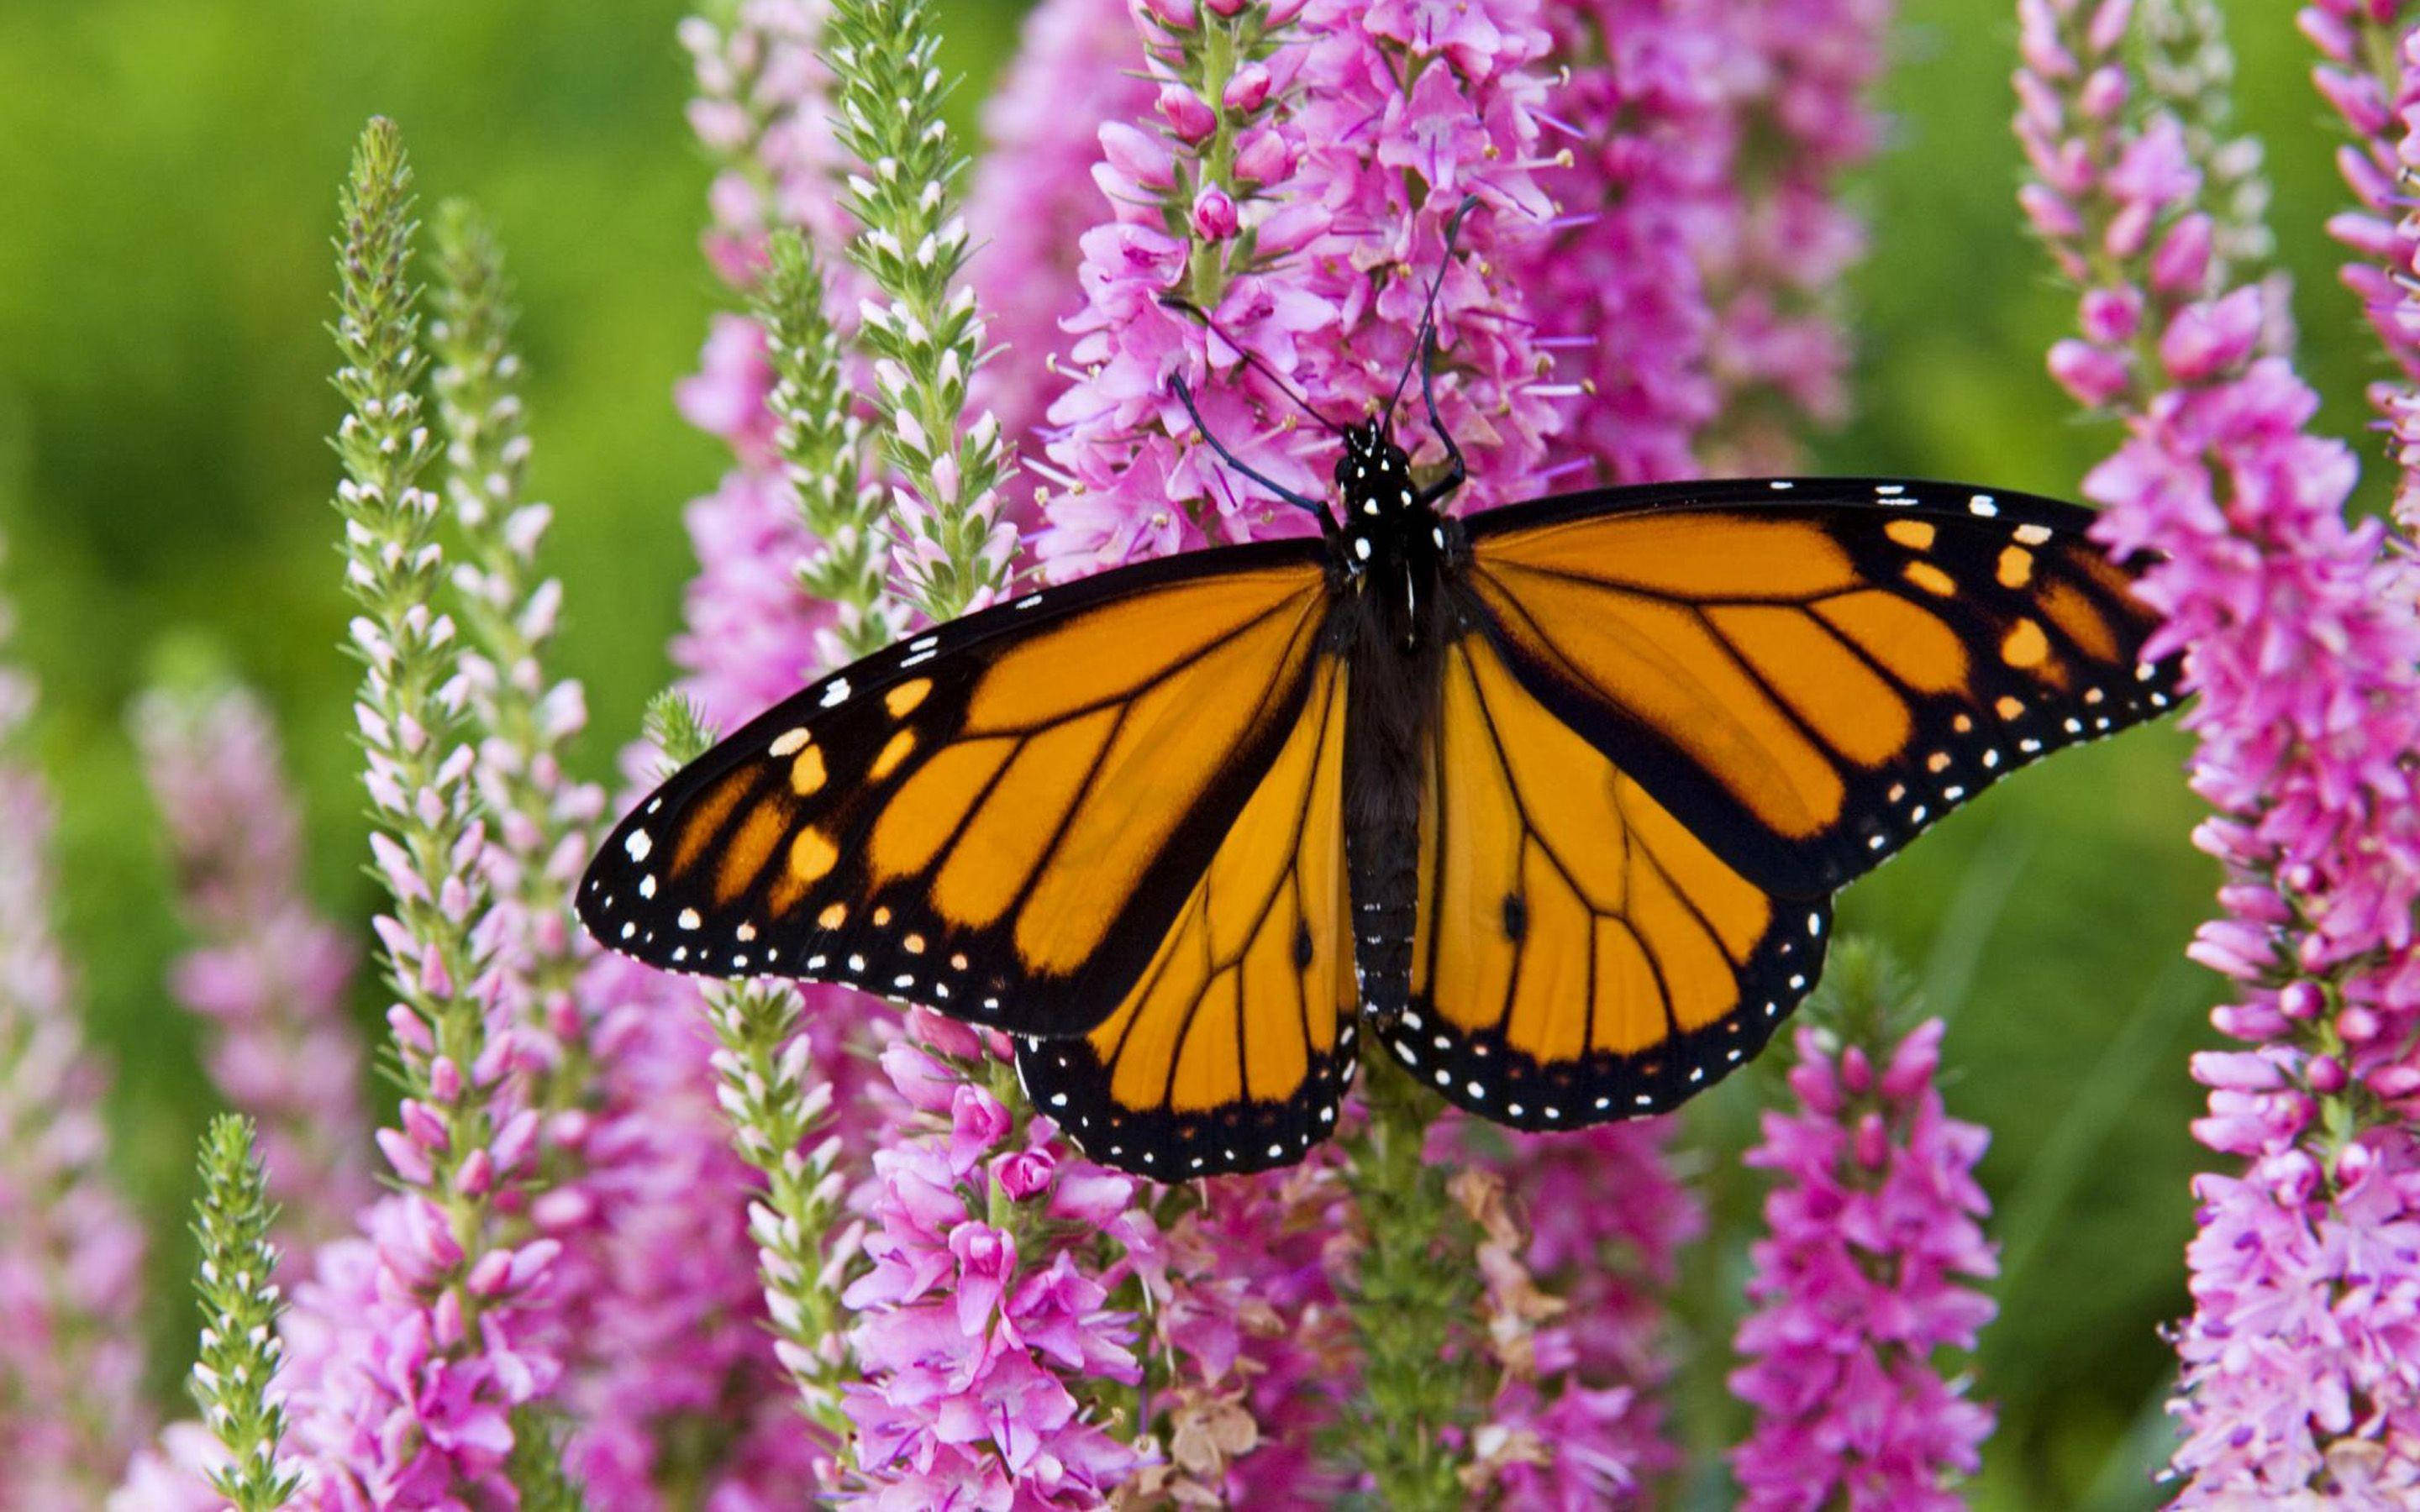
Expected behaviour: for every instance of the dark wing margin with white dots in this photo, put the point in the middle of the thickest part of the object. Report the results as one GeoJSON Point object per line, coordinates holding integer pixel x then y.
{"type": "Point", "coordinates": [1001, 817]}
{"type": "Point", "coordinates": [1809, 671]}
{"type": "Point", "coordinates": [1234, 1049]}
{"type": "Point", "coordinates": [1580, 955]}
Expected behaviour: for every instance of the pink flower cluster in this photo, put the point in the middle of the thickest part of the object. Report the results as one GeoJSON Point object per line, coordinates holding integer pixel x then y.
{"type": "Point", "coordinates": [1586, 1414]}
{"type": "Point", "coordinates": [680, 1385]}
{"type": "Point", "coordinates": [2305, 656]}
{"type": "Point", "coordinates": [1250, 1326]}
{"type": "Point", "coordinates": [1875, 1241]}
{"type": "Point", "coordinates": [1292, 190]}
{"type": "Point", "coordinates": [268, 969]}
{"type": "Point", "coordinates": [977, 1317]}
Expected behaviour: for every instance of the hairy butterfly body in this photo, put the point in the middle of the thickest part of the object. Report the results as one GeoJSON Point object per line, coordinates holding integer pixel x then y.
{"type": "Point", "coordinates": [1550, 803]}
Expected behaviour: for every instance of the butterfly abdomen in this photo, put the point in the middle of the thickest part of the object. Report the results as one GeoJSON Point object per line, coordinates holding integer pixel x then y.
{"type": "Point", "coordinates": [1392, 683]}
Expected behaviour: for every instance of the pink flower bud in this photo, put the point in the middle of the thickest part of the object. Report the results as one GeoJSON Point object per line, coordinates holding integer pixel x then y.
{"type": "Point", "coordinates": [2395, 1082]}
{"type": "Point", "coordinates": [1872, 1142]}
{"type": "Point", "coordinates": [444, 1079]}
{"type": "Point", "coordinates": [477, 1174]}
{"type": "Point", "coordinates": [490, 1273]}
{"type": "Point", "coordinates": [2301, 1000]}
{"type": "Point", "coordinates": [2358, 1025]}
{"type": "Point", "coordinates": [1186, 114]}
{"type": "Point", "coordinates": [1813, 1080]}
{"type": "Point", "coordinates": [1914, 1062]}
{"type": "Point", "coordinates": [977, 1118]}
{"type": "Point", "coordinates": [1262, 156]}
{"type": "Point", "coordinates": [1024, 1173]}
{"type": "Point", "coordinates": [1178, 15]}
{"type": "Point", "coordinates": [1141, 156]}
{"type": "Point", "coordinates": [1856, 1071]}
{"type": "Point", "coordinates": [2325, 1075]}
{"type": "Point", "coordinates": [408, 1028]}
{"type": "Point", "coordinates": [2211, 337]}
{"type": "Point", "coordinates": [1213, 215]}
{"type": "Point", "coordinates": [2094, 375]}
{"type": "Point", "coordinates": [424, 1127]}
{"type": "Point", "coordinates": [2182, 263]}
{"type": "Point", "coordinates": [1247, 89]}
{"type": "Point", "coordinates": [410, 1161]}
{"type": "Point", "coordinates": [2354, 1162]}
{"type": "Point", "coordinates": [2103, 94]}
{"type": "Point", "coordinates": [2110, 315]}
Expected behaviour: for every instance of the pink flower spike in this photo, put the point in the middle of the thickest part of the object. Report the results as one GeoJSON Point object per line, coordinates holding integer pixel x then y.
{"type": "Point", "coordinates": [1873, 1233]}
{"type": "Point", "coordinates": [2305, 660]}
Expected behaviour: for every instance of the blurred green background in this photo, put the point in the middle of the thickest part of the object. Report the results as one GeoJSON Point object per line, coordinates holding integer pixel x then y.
{"type": "Point", "coordinates": [167, 182]}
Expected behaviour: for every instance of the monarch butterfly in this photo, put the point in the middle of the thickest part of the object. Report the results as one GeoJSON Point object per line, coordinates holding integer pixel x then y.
{"type": "Point", "coordinates": [1552, 800]}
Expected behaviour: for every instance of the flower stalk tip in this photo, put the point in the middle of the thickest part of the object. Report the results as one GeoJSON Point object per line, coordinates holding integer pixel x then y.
{"type": "Point", "coordinates": [920, 326]}
{"type": "Point", "coordinates": [234, 1377]}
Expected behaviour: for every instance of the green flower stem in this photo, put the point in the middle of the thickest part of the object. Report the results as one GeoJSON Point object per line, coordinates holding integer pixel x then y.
{"type": "Point", "coordinates": [410, 706]}
{"type": "Point", "coordinates": [760, 1067]}
{"type": "Point", "coordinates": [823, 447]}
{"type": "Point", "coordinates": [240, 1348]}
{"type": "Point", "coordinates": [921, 328]}
{"type": "Point", "coordinates": [1415, 1283]}
{"type": "Point", "coordinates": [1204, 58]}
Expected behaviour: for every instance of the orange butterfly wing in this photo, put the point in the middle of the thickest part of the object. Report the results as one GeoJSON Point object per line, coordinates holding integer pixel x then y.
{"type": "Point", "coordinates": [1677, 718]}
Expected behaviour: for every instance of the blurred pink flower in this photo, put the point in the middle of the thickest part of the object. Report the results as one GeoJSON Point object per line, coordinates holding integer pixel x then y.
{"type": "Point", "coordinates": [70, 1251]}
{"type": "Point", "coordinates": [1873, 1241]}
{"type": "Point", "coordinates": [266, 967]}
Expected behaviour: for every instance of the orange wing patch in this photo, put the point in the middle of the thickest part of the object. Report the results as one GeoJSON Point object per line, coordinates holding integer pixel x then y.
{"type": "Point", "coordinates": [1230, 1053]}
{"type": "Point", "coordinates": [1581, 956]}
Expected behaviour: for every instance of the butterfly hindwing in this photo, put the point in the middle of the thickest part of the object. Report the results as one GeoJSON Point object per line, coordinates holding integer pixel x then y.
{"type": "Point", "coordinates": [1234, 1049]}
{"type": "Point", "coordinates": [1001, 817]}
{"type": "Point", "coordinates": [1807, 673]}
{"type": "Point", "coordinates": [1580, 955]}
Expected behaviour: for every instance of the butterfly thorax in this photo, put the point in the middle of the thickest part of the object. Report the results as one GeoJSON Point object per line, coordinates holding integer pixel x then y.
{"type": "Point", "coordinates": [1392, 545]}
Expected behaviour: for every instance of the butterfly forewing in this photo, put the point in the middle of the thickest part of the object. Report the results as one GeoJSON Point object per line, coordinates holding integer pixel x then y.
{"type": "Point", "coordinates": [1001, 817]}
{"type": "Point", "coordinates": [1806, 673]}
{"type": "Point", "coordinates": [1233, 1051]}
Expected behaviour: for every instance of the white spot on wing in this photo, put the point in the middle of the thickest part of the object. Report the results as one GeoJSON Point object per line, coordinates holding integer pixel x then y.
{"type": "Point", "coordinates": [837, 693]}
{"type": "Point", "coordinates": [638, 845]}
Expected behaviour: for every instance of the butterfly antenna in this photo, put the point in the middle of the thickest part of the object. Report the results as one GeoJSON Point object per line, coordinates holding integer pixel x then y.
{"type": "Point", "coordinates": [1185, 306]}
{"type": "Point", "coordinates": [1424, 340]}
{"type": "Point", "coordinates": [1312, 507]}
